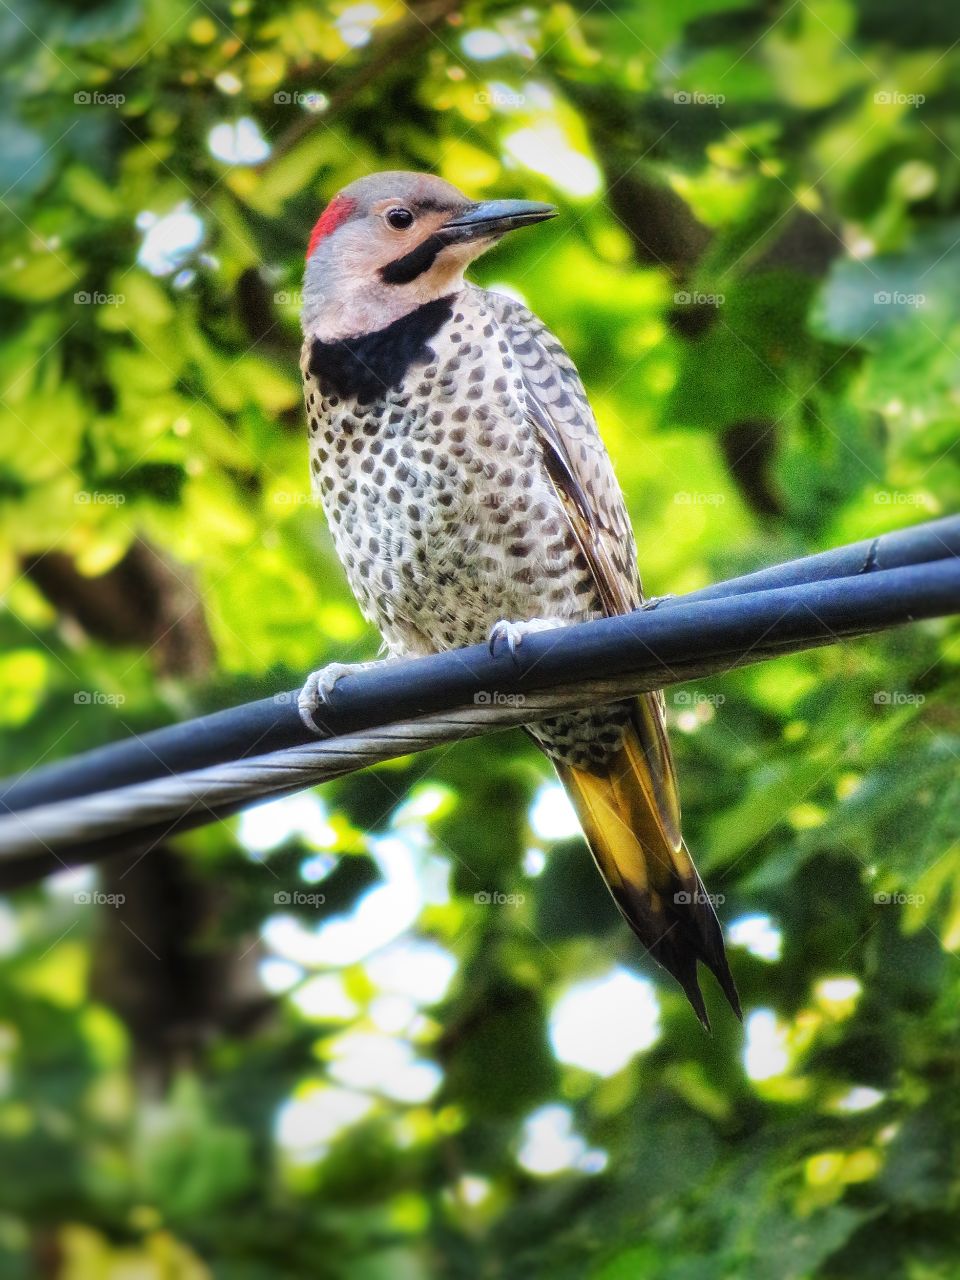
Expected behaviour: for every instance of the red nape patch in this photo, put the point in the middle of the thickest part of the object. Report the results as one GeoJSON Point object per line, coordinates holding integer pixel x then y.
{"type": "Point", "coordinates": [337, 211]}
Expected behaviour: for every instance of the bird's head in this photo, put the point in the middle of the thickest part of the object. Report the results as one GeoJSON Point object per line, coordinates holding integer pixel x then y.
{"type": "Point", "coordinates": [390, 242]}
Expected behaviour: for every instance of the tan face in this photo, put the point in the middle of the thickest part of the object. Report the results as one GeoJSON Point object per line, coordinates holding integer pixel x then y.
{"type": "Point", "coordinates": [395, 228]}
{"type": "Point", "coordinates": [355, 297]}
{"type": "Point", "coordinates": [392, 242]}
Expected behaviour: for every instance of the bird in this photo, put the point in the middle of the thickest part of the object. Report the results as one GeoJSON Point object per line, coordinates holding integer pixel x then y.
{"type": "Point", "coordinates": [470, 498]}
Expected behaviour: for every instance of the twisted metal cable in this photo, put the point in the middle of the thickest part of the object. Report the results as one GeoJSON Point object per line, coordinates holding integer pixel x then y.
{"type": "Point", "coordinates": [102, 802]}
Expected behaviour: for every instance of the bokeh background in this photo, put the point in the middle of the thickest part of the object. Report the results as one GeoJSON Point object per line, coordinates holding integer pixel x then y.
{"type": "Point", "coordinates": [298, 1043]}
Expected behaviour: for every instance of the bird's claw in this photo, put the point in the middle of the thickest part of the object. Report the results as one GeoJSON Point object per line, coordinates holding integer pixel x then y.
{"type": "Point", "coordinates": [512, 633]}
{"type": "Point", "coordinates": [318, 687]}
{"type": "Point", "coordinates": [655, 600]}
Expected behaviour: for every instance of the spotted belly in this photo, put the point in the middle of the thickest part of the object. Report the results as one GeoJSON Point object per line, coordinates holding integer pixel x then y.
{"type": "Point", "coordinates": [443, 514]}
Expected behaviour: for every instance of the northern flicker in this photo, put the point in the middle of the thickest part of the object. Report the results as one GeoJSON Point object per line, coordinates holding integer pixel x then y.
{"type": "Point", "coordinates": [470, 497]}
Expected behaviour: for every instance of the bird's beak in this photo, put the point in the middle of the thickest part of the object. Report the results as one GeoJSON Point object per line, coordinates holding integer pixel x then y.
{"type": "Point", "coordinates": [493, 218]}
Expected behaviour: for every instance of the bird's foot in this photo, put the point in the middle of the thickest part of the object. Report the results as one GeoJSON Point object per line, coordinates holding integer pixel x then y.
{"type": "Point", "coordinates": [512, 633]}
{"type": "Point", "coordinates": [655, 600]}
{"type": "Point", "coordinates": [319, 685]}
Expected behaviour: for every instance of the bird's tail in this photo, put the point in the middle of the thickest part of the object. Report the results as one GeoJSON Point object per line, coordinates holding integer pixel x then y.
{"type": "Point", "coordinates": [648, 869]}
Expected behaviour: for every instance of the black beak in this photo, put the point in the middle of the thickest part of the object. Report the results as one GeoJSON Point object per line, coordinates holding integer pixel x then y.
{"type": "Point", "coordinates": [493, 218]}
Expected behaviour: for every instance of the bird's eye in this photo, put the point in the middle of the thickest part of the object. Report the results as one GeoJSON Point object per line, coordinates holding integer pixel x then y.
{"type": "Point", "coordinates": [399, 219]}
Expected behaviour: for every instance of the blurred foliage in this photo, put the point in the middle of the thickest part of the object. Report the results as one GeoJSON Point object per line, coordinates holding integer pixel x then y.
{"type": "Point", "coordinates": [757, 272]}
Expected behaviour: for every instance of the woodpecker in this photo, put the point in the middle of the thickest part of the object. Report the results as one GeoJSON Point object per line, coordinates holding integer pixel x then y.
{"type": "Point", "coordinates": [470, 498]}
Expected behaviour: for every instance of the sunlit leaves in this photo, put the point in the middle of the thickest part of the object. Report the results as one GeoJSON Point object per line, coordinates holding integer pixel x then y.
{"type": "Point", "coordinates": [369, 1110]}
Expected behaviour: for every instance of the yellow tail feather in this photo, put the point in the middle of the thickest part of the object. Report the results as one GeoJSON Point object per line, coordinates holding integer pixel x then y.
{"type": "Point", "coordinates": [648, 870]}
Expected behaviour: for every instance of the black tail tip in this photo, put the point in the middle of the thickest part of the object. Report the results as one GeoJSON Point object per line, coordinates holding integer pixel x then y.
{"type": "Point", "coordinates": [685, 971]}
{"type": "Point", "coordinates": [691, 989]}
{"type": "Point", "coordinates": [729, 988]}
